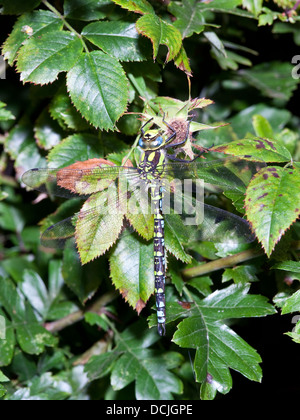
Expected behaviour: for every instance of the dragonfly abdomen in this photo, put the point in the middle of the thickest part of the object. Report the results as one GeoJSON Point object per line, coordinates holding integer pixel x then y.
{"type": "Point", "coordinates": [159, 258]}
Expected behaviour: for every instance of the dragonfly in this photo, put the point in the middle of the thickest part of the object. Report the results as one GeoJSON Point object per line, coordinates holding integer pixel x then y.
{"type": "Point", "coordinates": [156, 200]}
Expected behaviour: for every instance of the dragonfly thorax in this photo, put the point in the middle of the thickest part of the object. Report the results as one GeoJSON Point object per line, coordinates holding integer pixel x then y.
{"type": "Point", "coordinates": [152, 140]}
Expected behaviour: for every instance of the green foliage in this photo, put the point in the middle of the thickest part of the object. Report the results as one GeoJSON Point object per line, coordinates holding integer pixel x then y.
{"type": "Point", "coordinates": [89, 69]}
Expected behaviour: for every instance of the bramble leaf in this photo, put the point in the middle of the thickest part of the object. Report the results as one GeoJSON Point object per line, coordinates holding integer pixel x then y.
{"type": "Point", "coordinates": [133, 361]}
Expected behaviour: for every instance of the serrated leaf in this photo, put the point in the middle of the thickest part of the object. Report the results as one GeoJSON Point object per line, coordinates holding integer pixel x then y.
{"type": "Point", "coordinates": [189, 17]}
{"type": "Point", "coordinates": [273, 203]}
{"type": "Point", "coordinates": [257, 148]}
{"type": "Point", "coordinates": [31, 336]}
{"type": "Point", "coordinates": [87, 10]}
{"type": "Point", "coordinates": [47, 132]}
{"type": "Point", "coordinates": [254, 6]}
{"type": "Point", "coordinates": [182, 62]}
{"type": "Point", "coordinates": [74, 148]}
{"type": "Point", "coordinates": [35, 290]}
{"type": "Point", "coordinates": [288, 266]}
{"type": "Point", "coordinates": [133, 360]}
{"type": "Point", "coordinates": [262, 127]}
{"type": "Point", "coordinates": [37, 23]}
{"type": "Point", "coordinates": [41, 59]}
{"type": "Point", "coordinates": [131, 268]}
{"type": "Point", "coordinates": [137, 6]}
{"type": "Point", "coordinates": [218, 348]}
{"type": "Point", "coordinates": [273, 79]}
{"type": "Point", "coordinates": [62, 110]}
{"type": "Point", "coordinates": [92, 236]}
{"type": "Point", "coordinates": [160, 33]}
{"type": "Point", "coordinates": [292, 304]}
{"type": "Point", "coordinates": [5, 115]}
{"type": "Point", "coordinates": [17, 7]}
{"type": "Point", "coordinates": [98, 88]}
{"type": "Point", "coordinates": [119, 39]}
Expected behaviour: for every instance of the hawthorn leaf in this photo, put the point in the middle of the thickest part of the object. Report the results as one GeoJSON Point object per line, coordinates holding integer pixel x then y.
{"type": "Point", "coordinates": [219, 348]}
{"type": "Point", "coordinates": [273, 203]}
{"type": "Point", "coordinates": [98, 88]}
{"type": "Point", "coordinates": [133, 361]}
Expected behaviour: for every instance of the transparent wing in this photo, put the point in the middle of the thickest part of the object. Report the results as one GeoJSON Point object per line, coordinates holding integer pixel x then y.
{"type": "Point", "coordinates": [79, 182]}
{"type": "Point", "coordinates": [229, 173]}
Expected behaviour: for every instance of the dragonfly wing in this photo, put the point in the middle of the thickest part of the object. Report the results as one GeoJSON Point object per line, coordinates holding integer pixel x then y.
{"type": "Point", "coordinates": [76, 182]}
{"type": "Point", "coordinates": [195, 221]}
{"type": "Point", "coordinates": [229, 173]}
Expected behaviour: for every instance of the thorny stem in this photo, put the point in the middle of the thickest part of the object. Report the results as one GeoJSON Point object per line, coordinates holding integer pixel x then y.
{"type": "Point", "coordinates": [77, 316]}
{"type": "Point", "coordinates": [67, 25]}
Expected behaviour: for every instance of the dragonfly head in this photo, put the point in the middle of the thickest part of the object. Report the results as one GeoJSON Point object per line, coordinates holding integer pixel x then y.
{"type": "Point", "coordinates": [151, 140]}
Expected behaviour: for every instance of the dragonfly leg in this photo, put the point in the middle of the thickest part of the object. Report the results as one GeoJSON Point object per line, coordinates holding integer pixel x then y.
{"type": "Point", "coordinates": [144, 125]}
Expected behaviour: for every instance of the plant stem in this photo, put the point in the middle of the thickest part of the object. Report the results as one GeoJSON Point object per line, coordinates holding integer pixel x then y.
{"type": "Point", "coordinates": [229, 261]}
{"type": "Point", "coordinates": [67, 25]}
{"type": "Point", "coordinates": [77, 316]}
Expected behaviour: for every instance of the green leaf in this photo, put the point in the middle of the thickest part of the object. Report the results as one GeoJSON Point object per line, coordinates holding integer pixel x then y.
{"type": "Point", "coordinates": [119, 39]}
{"type": "Point", "coordinates": [189, 17]}
{"type": "Point", "coordinates": [218, 348]}
{"type": "Point", "coordinates": [18, 6]}
{"type": "Point", "coordinates": [62, 110]}
{"type": "Point", "coordinates": [256, 149]}
{"type": "Point", "coordinates": [5, 115]}
{"type": "Point", "coordinates": [273, 79]}
{"type": "Point", "coordinates": [262, 127]}
{"type": "Point", "coordinates": [254, 6]}
{"type": "Point", "coordinates": [132, 360]}
{"type": "Point", "coordinates": [288, 266]}
{"type": "Point", "coordinates": [42, 58]}
{"type": "Point", "coordinates": [87, 10]}
{"type": "Point", "coordinates": [160, 33]}
{"type": "Point", "coordinates": [273, 203]}
{"type": "Point", "coordinates": [35, 290]}
{"type": "Point", "coordinates": [242, 122]}
{"type": "Point", "coordinates": [29, 25]}
{"type": "Point", "coordinates": [77, 147]}
{"type": "Point", "coordinates": [31, 336]}
{"type": "Point", "coordinates": [20, 145]}
{"type": "Point", "coordinates": [292, 304]}
{"type": "Point", "coordinates": [47, 132]}
{"type": "Point", "coordinates": [131, 267]}
{"type": "Point", "coordinates": [98, 88]}
{"type": "Point", "coordinates": [137, 6]}
{"type": "Point", "coordinates": [92, 236]}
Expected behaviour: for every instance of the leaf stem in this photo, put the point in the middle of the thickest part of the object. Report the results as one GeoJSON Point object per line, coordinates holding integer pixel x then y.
{"type": "Point", "coordinates": [67, 25]}
{"type": "Point", "coordinates": [229, 261]}
{"type": "Point", "coordinates": [77, 316]}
